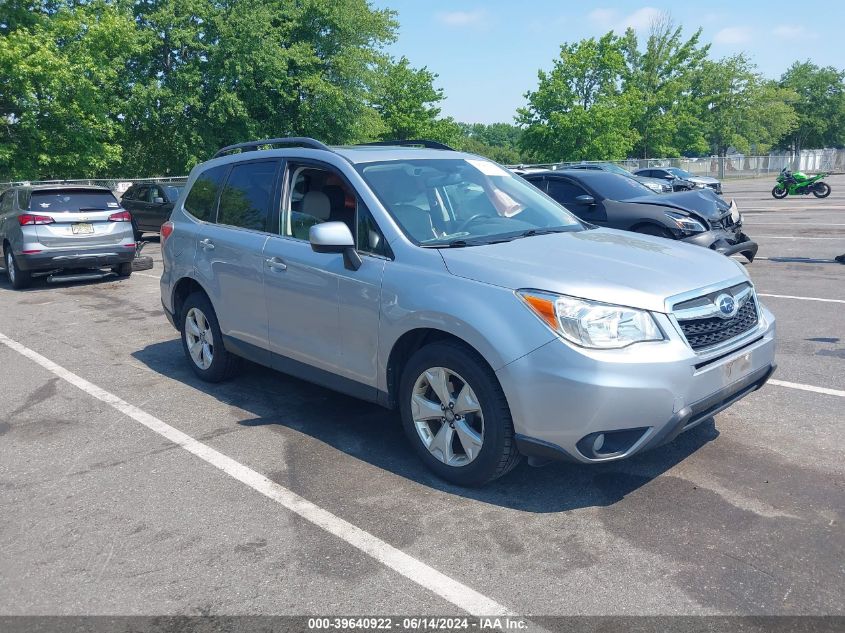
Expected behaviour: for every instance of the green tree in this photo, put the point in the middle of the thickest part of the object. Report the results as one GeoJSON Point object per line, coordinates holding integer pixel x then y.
{"type": "Point", "coordinates": [578, 110]}
{"type": "Point", "coordinates": [63, 82]}
{"type": "Point", "coordinates": [659, 82]}
{"type": "Point", "coordinates": [820, 105]}
{"type": "Point", "coordinates": [497, 141]}
{"type": "Point", "coordinates": [408, 104]}
{"type": "Point", "coordinates": [740, 109]}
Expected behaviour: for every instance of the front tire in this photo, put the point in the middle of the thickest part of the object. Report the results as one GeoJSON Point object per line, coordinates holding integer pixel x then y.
{"type": "Point", "coordinates": [202, 341]}
{"type": "Point", "coordinates": [779, 193]}
{"type": "Point", "coordinates": [821, 190]}
{"type": "Point", "coordinates": [456, 415]}
{"type": "Point", "coordinates": [123, 270]}
{"type": "Point", "coordinates": [19, 279]}
{"type": "Point", "coordinates": [136, 232]}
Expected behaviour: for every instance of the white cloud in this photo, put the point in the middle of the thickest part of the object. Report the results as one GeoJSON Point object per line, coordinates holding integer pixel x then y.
{"type": "Point", "coordinates": [605, 17]}
{"type": "Point", "coordinates": [463, 18]}
{"type": "Point", "coordinates": [789, 32]}
{"type": "Point", "coordinates": [639, 20]}
{"type": "Point", "coordinates": [732, 35]}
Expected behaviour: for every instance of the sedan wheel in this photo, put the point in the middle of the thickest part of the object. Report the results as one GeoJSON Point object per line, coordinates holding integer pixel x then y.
{"type": "Point", "coordinates": [199, 338]}
{"type": "Point", "coordinates": [447, 416]}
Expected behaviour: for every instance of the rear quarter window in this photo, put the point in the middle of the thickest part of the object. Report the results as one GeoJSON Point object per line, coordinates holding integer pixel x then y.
{"type": "Point", "coordinates": [202, 199]}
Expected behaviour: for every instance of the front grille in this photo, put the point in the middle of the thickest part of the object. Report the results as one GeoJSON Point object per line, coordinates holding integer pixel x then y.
{"type": "Point", "coordinates": [703, 333]}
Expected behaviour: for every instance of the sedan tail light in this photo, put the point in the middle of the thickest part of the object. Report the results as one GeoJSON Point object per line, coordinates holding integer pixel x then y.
{"type": "Point", "coordinates": [166, 230]}
{"type": "Point", "coordinates": [120, 216]}
{"type": "Point", "coordinates": [28, 219]}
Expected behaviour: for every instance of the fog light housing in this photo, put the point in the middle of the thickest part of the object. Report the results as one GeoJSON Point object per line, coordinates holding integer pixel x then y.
{"type": "Point", "coordinates": [606, 444]}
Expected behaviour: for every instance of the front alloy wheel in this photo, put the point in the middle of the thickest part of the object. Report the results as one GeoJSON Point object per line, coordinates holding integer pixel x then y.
{"type": "Point", "coordinates": [447, 416]}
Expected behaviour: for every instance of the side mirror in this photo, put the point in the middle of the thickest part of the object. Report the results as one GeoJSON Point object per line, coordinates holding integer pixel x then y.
{"type": "Point", "coordinates": [335, 237]}
{"type": "Point", "coordinates": [158, 200]}
{"type": "Point", "coordinates": [585, 200]}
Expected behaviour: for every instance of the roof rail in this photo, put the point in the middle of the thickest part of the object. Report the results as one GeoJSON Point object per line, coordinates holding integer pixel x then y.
{"type": "Point", "coordinates": [410, 143]}
{"type": "Point", "coordinates": [299, 141]}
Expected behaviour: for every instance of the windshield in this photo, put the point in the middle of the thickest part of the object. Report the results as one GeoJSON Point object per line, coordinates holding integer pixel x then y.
{"type": "Point", "coordinates": [680, 173]}
{"type": "Point", "coordinates": [65, 200]}
{"type": "Point", "coordinates": [616, 169]}
{"type": "Point", "coordinates": [618, 187]}
{"type": "Point", "coordinates": [463, 202]}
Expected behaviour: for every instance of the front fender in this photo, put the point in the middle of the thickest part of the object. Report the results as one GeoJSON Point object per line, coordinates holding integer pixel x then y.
{"type": "Point", "coordinates": [491, 319]}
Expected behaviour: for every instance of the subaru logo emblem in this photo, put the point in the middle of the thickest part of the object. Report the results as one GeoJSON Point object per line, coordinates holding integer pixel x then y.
{"type": "Point", "coordinates": [726, 305]}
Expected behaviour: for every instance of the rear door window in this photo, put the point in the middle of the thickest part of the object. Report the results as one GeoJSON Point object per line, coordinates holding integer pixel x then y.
{"type": "Point", "coordinates": [69, 200]}
{"type": "Point", "coordinates": [202, 200]}
{"type": "Point", "coordinates": [245, 200]}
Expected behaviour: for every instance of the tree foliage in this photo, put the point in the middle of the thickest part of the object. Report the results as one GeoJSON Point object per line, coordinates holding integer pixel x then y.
{"type": "Point", "coordinates": [819, 105]}
{"type": "Point", "coordinates": [579, 110]}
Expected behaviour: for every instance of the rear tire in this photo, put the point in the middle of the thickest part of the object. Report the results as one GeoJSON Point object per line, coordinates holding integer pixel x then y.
{"type": "Point", "coordinates": [779, 193]}
{"type": "Point", "coordinates": [653, 229]}
{"type": "Point", "coordinates": [123, 270]}
{"type": "Point", "coordinates": [821, 190]}
{"type": "Point", "coordinates": [487, 429]}
{"type": "Point", "coordinates": [19, 279]}
{"type": "Point", "coordinates": [202, 340]}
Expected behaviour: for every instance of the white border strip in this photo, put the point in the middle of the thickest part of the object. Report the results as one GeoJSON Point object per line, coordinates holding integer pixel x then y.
{"type": "Point", "coordinates": [762, 294]}
{"type": "Point", "coordinates": [796, 385]}
{"type": "Point", "coordinates": [415, 570]}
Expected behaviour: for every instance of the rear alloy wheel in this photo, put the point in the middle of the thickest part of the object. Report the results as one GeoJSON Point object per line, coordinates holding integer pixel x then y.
{"type": "Point", "coordinates": [456, 416]}
{"type": "Point", "coordinates": [779, 193]}
{"type": "Point", "coordinates": [821, 190]}
{"type": "Point", "coordinates": [19, 279]}
{"type": "Point", "coordinates": [202, 341]}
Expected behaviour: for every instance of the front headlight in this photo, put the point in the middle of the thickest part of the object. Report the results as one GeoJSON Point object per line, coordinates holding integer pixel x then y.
{"type": "Point", "coordinates": [654, 187]}
{"type": "Point", "coordinates": [686, 223]}
{"type": "Point", "coordinates": [592, 324]}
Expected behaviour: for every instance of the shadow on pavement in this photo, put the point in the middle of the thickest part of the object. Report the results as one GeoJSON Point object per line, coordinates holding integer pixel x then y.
{"type": "Point", "coordinates": [374, 435]}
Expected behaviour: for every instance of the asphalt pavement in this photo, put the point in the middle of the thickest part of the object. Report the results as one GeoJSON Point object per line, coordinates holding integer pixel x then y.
{"type": "Point", "coordinates": [322, 508]}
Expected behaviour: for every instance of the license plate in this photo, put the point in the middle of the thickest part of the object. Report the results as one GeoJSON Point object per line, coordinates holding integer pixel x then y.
{"type": "Point", "coordinates": [737, 368]}
{"type": "Point", "coordinates": [81, 228]}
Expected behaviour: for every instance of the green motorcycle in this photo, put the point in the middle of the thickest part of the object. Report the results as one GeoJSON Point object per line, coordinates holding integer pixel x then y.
{"type": "Point", "coordinates": [799, 184]}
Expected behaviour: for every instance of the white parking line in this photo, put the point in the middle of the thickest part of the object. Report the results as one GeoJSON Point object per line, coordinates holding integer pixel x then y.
{"type": "Point", "coordinates": [150, 276]}
{"type": "Point", "coordinates": [415, 570]}
{"type": "Point", "coordinates": [794, 237]}
{"type": "Point", "coordinates": [761, 294]}
{"type": "Point", "coordinates": [796, 385]}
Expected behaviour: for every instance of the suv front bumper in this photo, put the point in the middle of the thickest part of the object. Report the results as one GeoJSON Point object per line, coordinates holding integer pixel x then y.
{"type": "Point", "coordinates": [563, 399]}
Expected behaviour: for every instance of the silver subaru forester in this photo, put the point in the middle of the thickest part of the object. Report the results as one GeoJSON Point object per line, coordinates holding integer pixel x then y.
{"type": "Point", "coordinates": [440, 284]}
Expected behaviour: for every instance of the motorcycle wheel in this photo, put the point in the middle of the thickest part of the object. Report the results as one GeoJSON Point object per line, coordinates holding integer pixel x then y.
{"type": "Point", "coordinates": [821, 190]}
{"type": "Point", "coordinates": [779, 193]}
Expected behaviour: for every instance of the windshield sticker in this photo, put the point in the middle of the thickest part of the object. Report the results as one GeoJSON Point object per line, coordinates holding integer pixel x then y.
{"type": "Point", "coordinates": [45, 205]}
{"type": "Point", "coordinates": [111, 204]}
{"type": "Point", "coordinates": [487, 168]}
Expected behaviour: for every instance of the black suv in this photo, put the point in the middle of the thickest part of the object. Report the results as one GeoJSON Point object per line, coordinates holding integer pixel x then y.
{"type": "Point", "coordinates": [150, 204]}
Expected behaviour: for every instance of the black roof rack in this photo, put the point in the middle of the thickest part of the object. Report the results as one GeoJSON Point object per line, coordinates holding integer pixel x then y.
{"type": "Point", "coordinates": [298, 141]}
{"type": "Point", "coordinates": [410, 143]}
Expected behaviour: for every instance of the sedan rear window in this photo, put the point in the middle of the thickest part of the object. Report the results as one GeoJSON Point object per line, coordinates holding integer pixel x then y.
{"type": "Point", "coordinates": [70, 200]}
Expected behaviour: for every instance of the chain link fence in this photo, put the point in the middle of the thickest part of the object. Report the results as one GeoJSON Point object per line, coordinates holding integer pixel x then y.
{"type": "Point", "coordinates": [732, 167]}
{"type": "Point", "coordinates": [725, 168]}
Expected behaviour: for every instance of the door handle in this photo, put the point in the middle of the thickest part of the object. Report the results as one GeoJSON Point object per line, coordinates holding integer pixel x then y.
{"type": "Point", "coordinates": [207, 244]}
{"type": "Point", "coordinates": [276, 264]}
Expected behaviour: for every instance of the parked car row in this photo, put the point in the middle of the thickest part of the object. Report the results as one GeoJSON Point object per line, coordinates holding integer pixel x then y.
{"type": "Point", "coordinates": [496, 321]}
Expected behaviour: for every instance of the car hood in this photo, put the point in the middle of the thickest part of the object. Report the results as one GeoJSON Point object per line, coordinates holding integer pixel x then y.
{"type": "Point", "coordinates": [654, 181]}
{"type": "Point", "coordinates": [703, 202]}
{"type": "Point", "coordinates": [703, 179]}
{"type": "Point", "coordinates": [623, 268]}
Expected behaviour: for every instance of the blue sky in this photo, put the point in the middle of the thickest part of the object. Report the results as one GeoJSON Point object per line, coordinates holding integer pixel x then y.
{"type": "Point", "coordinates": [487, 53]}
